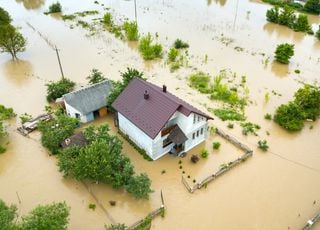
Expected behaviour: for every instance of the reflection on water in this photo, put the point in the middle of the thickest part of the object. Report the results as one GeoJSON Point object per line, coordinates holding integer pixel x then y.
{"type": "Point", "coordinates": [220, 2]}
{"type": "Point", "coordinates": [18, 71]}
{"type": "Point", "coordinates": [283, 32]}
{"type": "Point", "coordinates": [31, 4]}
{"type": "Point", "coordinates": [280, 70]}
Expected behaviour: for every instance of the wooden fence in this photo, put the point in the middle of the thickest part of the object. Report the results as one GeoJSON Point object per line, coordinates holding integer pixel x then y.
{"type": "Point", "coordinates": [224, 168]}
{"type": "Point", "coordinates": [311, 222]}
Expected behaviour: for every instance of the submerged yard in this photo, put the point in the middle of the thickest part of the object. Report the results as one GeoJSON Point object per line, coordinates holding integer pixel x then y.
{"type": "Point", "coordinates": [276, 189]}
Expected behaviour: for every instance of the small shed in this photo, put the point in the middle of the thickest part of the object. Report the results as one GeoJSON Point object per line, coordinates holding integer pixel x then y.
{"type": "Point", "coordinates": [77, 139]}
{"type": "Point", "coordinates": [88, 103]}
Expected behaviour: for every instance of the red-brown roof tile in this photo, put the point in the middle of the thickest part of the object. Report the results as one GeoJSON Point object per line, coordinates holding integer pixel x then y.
{"type": "Point", "coordinates": [150, 115]}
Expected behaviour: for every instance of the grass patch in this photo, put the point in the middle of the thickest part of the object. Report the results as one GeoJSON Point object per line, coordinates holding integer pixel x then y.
{"type": "Point", "coordinates": [131, 30]}
{"type": "Point", "coordinates": [200, 81]}
{"type": "Point", "coordinates": [179, 44]}
{"type": "Point", "coordinates": [228, 114]}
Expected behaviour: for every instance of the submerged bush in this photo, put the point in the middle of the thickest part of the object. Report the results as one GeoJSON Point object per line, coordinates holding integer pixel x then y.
{"type": "Point", "coordinates": [131, 31]}
{"type": "Point", "coordinates": [216, 145]}
{"type": "Point", "coordinates": [107, 19]}
{"type": "Point", "coordinates": [263, 145]}
{"type": "Point", "coordinates": [289, 116]}
{"type": "Point", "coordinates": [308, 99]}
{"type": "Point", "coordinates": [148, 50]}
{"type": "Point", "coordinates": [55, 8]}
{"type": "Point", "coordinates": [204, 153]}
{"type": "Point", "coordinates": [249, 127]}
{"type": "Point", "coordinates": [179, 44]}
{"type": "Point", "coordinates": [58, 89]}
{"type": "Point", "coordinates": [172, 55]}
{"type": "Point", "coordinates": [284, 52]}
{"type": "Point", "coordinates": [229, 114]}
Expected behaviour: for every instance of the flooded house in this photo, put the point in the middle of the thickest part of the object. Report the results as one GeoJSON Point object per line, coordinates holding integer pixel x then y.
{"type": "Point", "coordinates": [157, 121]}
{"type": "Point", "coordinates": [88, 103]}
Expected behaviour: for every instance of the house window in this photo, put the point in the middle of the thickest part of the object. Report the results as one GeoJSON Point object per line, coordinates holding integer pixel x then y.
{"type": "Point", "coordinates": [77, 115]}
{"type": "Point", "coordinates": [198, 118]}
{"type": "Point", "coordinates": [193, 136]}
{"type": "Point", "coordinates": [201, 131]}
{"type": "Point", "coordinates": [166, 142]}
{"type": "Point", "coordinates": [194, 118]}
{"type": "Point", "coordinates": [197, 133]}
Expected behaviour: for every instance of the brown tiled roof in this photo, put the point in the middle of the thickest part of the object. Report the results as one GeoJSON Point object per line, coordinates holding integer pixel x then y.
{"type": "Point", "coordinates": [150, 115]}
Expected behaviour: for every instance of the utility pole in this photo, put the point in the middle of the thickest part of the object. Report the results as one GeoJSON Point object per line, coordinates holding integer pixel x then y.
{"type": "Point", "coordinates": [57, 51]}
{"type": "Point", "coordinates": [135, 11]}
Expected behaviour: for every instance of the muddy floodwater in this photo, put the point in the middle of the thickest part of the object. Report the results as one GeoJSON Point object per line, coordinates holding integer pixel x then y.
{"type": "Point", "coordinates": [279, 189]}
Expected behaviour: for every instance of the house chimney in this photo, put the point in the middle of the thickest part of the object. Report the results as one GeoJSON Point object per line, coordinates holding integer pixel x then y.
{"type": "Point", "coordinates": [146, 95]}
{"type": "Point", "coordinates": [164, 88]}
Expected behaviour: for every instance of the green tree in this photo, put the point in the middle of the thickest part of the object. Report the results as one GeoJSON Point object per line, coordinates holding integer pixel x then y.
{"type": "Point", "coordinates": [7, 216]}
{"type": "Point", "coordinates": [139, 186]}
{"type": "Point", "coordinates": [5, 18]}
{"type": "Point", "coordinates": [273, 14]}
{"type": "Point", "coordinates": [95, 77]}
{"type": "Point", "coordinates": [302, 24]}
{"type": "Point", "coordinates": [312, 6]}
{"type": "Point", "coordinates": [11, 40]}
{"type": "Point", "coordinates": [102, 161]}
{"type": "Point", "coordinates": [55, 8]}
{"type": "Point", "coordinates": [59, 88]}
{"type": "Point", "coordinates": [308, 99]}
{"type": "Point", "coordinates": [55, 131]}
{"type": "Point", "coordinates": [53, 217]}
{"type": "Point", "coordinates": [287, 17]}
{"type": "Point", "coordinates": [284, 52]}
{"type": "Point", "coordinates": [119, 86]}
{"type": "Point", "coordinates": [290, 116]}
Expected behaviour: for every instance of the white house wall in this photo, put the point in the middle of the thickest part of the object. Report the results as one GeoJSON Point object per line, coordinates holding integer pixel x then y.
{"type": "Point", "coordinates": [135, 134]}
{"type": "Point", "coordinates": [72, 113]}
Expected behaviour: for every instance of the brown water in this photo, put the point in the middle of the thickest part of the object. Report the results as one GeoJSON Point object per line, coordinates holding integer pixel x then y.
{"type": "Point", "coordinates": [273, 190]}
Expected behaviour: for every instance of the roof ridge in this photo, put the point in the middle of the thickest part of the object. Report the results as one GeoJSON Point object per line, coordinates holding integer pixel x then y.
{"type": "Point", "coordinates": [88, 87]}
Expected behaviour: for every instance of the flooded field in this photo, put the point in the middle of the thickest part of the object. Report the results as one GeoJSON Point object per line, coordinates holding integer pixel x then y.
{"type": "Point", "coordinates": [279, 189]}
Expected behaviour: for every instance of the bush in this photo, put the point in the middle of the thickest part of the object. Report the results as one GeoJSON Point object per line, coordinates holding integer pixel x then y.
{"type": "Point", "coordinates": [58, 89]}
{"type": "Point", "coordinates": [172, 55]}
{"type": "Point", "coordinates": [131, 31]}
{"type": "Point", "coordinates": [230, 126]}
{"type": "Point", "coordinates": [107, 19]}
{"type": "Point", "coordinates": [92, 206]}
{"type": "Point", "coordinates": [273, 15]}
{"type": "Point", "coordinates": [308, 99]}
{"type": "Point", "coordinates": [263, 145]}
{"type": "Point", "coordinates": [204, 153]}
{"type": "Point", "coordinates": [284, 52]}
{"type": "Point", "coordinates": [179, 44]}
{"type": "Point", "coordinates": [249, 127]}
{"type": "Point", "coordinates": [268, 116]}
{"type": "Point", "coordinates": [55, 8]}
{"type": "Point", "coordinates": [194, 158]}
{"type": "Point", "coordinates": [216, 145]}
{"type": "Point", "coordinates": [55, 131]}
{"type": "Point", "coordinates": [148, 50]}
{"type": "Point", "coordinates": [139, 186]}
{"type": "Point", "coordinates": [25, 117]}
{"type": "Point", "coordinates": [95, 77]}
{"type": "Point", "coordinates": [302, 24]}
{"type": "Point", "coordinates": [287, 17]}
{"type": "Point", "coordinates": [312, 6]}
{"type": "Point", "coordinates": [289, 116]}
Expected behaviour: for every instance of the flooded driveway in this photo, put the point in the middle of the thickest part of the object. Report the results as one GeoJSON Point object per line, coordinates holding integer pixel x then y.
{"type": "Point", "coordinates": [279, 189]}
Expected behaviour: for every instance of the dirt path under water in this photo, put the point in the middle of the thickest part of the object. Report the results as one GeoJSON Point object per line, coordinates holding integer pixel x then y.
{"type": "Point", "coordinates": [273, 190]}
